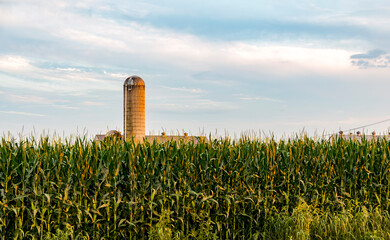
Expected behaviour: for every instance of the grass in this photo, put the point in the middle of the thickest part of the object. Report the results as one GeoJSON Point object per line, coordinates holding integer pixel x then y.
{"type": "Point", "coordinates": [298, 188]}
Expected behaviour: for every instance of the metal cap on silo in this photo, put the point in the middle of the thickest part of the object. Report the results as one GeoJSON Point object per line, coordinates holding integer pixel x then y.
{"type": "Point", "coordinates": [134, 108]}
{"type": "Point", "coordinates": [134, 81]}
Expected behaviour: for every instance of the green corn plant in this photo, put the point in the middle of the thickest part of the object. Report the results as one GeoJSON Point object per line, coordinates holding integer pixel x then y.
{"type": "Point", "coordinates": [115, 189]}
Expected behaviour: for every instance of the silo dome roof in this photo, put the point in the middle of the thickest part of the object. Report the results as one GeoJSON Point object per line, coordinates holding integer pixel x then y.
{"type": "Point", "coordinates": [112, 132]}
{"type": "Point", "coordinates": [134, 81]}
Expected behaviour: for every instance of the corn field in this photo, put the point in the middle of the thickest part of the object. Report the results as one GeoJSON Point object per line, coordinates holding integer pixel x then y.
{"type": "Point", "coordinates": [300, 188]}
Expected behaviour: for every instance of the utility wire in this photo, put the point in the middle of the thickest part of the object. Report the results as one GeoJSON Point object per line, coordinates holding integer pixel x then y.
{"type": "Point", "coordinates": [368, 125]}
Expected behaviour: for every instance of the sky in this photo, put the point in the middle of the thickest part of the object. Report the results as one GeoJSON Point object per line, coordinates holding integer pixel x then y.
{"type": "Point", "coordinates": [210, 67]}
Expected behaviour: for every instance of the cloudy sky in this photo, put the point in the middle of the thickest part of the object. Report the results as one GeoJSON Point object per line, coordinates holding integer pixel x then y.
{"type": "Point", "coordinates": [227, 66]}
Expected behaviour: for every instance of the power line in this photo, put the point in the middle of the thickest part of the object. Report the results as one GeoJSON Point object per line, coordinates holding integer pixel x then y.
{"type": "Point", "coordinates": [368, 125]}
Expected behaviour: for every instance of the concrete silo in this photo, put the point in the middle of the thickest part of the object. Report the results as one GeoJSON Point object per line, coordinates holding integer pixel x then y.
{"type": "Point", "coordinates": [134, 108]}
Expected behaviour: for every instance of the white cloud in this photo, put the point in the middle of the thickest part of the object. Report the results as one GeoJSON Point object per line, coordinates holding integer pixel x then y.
{"type": "Point", "coordinates": [186, 90]}
{"type": "Point", "coordinates": [176, 50]}
{"type": "Point", "coordinates": [192, 105]}
{"type": "Point", "coordinates": [27, 99]}
{"type": "Point", "coordinates": [302, 57]}
{"type": "Point", "coordinates": [36, 100]}
{"type": "Point", "coordinates": [65, 107]}
{"type": "Point", "coordinates": [23, 113]}
{"type": "Point", "coordinates": [10, 63]}
{"type": "Point", "coordinates": [22, 73]}
{"type": "Point", "coordinates": [116, 75]}
{"type": "Point", "coordinates": [92, 103]}
{"type": "Point", "coordinates": [68, 69]}
{"type": "Point", "coordinates": [257, 98]}
{"type": "Point", "coordinates": [93, 39]}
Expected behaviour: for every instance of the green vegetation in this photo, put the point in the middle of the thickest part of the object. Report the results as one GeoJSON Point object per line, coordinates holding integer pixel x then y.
{"type": "Point", "coordinates": [221, 189]}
